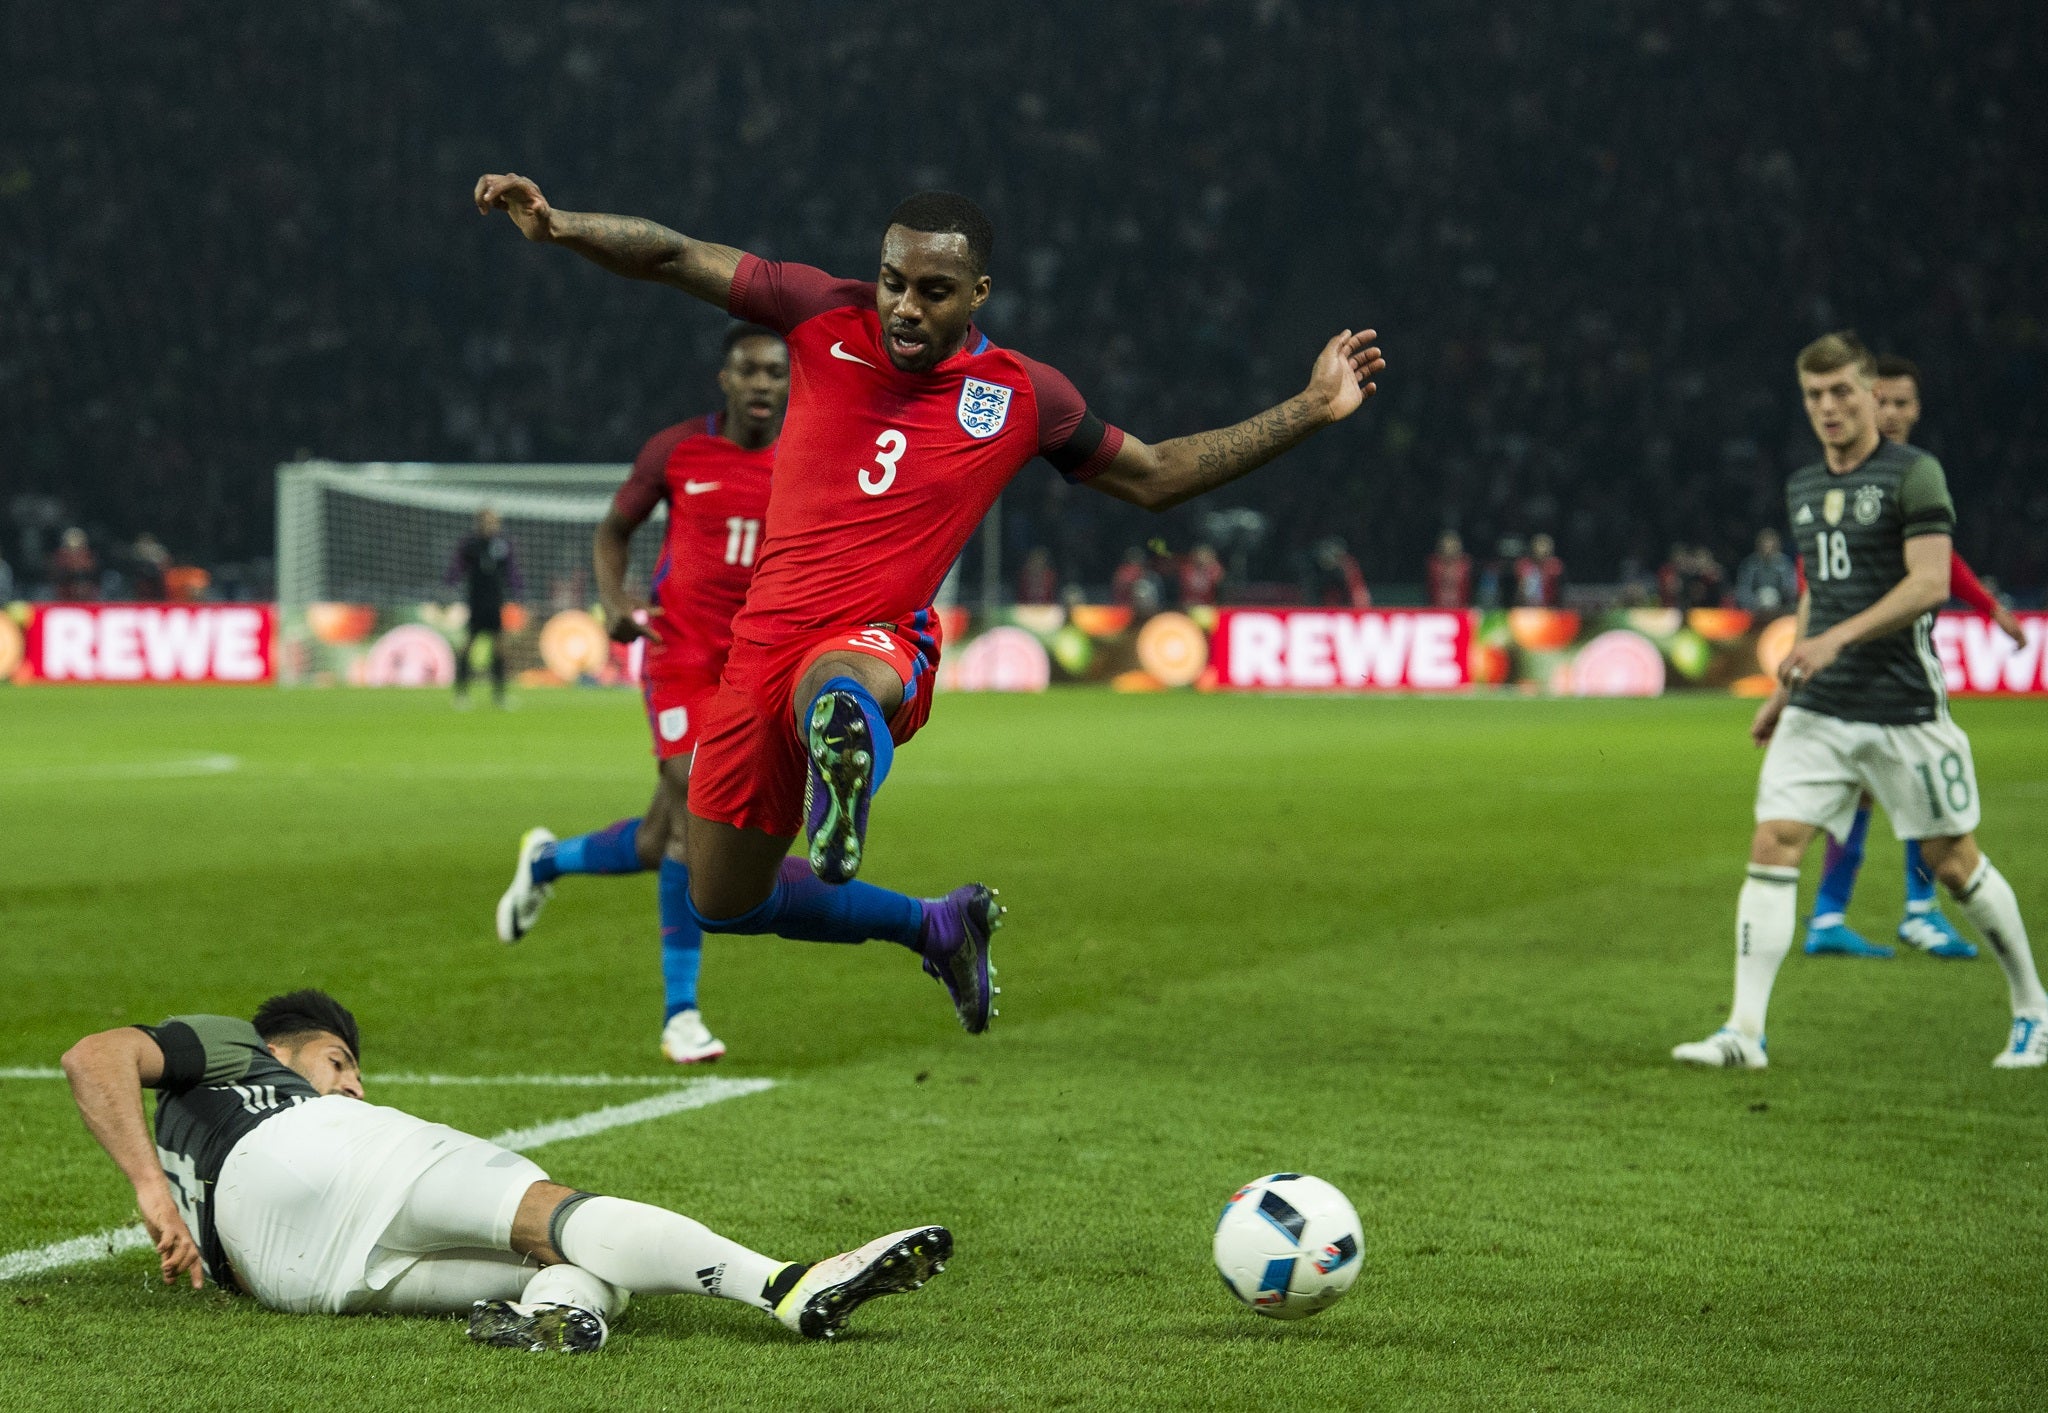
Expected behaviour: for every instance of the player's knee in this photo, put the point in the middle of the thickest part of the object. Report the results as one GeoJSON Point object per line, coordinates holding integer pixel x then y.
{"type": "Point", "coordinates": [718, 904]}
{"type": "Point", "coordinates": [878, 677]}
{"type": "Point", "coordinates": [1952, 861]}
{"type": "Point", "coordinates": [1780, 843]}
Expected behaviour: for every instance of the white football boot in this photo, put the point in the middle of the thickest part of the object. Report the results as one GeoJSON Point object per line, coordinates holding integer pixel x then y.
{"type": "Point", "coordinates": [686, 1041]}
{"type": "Point", "coordinates": [1725, 1049]}
{"type": "Point", "coordinates": [2028, 1047]}
{"type": "Point", "coordinates": [816, 1307]}
{"type": "Point", "coordinates": [541, 1328]}
{"type": "Point", "coordinates": [519, 909]}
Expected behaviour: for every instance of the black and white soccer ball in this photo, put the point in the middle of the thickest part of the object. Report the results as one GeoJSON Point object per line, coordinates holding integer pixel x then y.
{"type": "Point", "coordinates": [1288, 1245]}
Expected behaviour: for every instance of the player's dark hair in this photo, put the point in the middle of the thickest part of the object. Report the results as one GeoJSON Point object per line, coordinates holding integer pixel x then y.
{"type": "Point", "coordinates": [1891, 365]}
{"type": "Point", "coordinates": [740, 333]}
{"type": "Point", "coordinates": [1842, 349]}
{"type": "Point", "coordinates": [949, 213]}
{"type": "Point", "coordinates": [307, 1012]}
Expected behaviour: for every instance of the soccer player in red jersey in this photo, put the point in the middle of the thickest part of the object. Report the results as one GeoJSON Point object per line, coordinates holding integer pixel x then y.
{"type": "Point", "coordinates": [712, 473]}
{"type": "Point", "coordinates": [905, 422]}
{"type": "Point", "coordinates": [1827, 930]}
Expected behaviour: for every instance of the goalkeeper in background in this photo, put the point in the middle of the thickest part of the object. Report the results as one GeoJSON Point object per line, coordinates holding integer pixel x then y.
{"type": "Point", "coordinates": [486, 567]}
{"type": "Point", "coordinates": [712, 473]}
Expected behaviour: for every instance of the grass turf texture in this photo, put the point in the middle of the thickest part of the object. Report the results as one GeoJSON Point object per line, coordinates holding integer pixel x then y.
{"type": "Point", "coordinates": [1433, 951]}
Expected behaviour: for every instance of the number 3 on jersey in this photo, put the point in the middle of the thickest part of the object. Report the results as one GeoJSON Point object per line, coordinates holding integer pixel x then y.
{"type": "Point", "coordinates": [888, 451]}
{"type": "Point", "coordinates": [1832, 556]}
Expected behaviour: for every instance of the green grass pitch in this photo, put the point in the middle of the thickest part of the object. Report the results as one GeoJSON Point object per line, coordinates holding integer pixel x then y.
{"type": "Point", "coordinates": [1433, 951]}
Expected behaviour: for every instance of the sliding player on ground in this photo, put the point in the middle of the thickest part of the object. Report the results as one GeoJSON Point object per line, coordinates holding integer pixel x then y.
{"type": "Point", "coordinates": [1861, 706]}
{"type": "Point", "coordinates": [712, 473]}
{"type": "Point", "coordinates": [905, 423]}
{"type": "Point", "coordinates": [1827, 933]}
{"type": "Point", "coordinates": [269, 1175]}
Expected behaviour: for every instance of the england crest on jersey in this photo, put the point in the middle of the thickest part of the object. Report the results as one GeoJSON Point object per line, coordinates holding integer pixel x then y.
{"type": "Point", "coordinates": [984, 407]}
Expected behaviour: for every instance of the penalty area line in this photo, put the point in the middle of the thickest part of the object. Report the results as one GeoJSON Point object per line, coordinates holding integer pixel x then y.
{"type": "Point", "coordinates": [692, 1094]}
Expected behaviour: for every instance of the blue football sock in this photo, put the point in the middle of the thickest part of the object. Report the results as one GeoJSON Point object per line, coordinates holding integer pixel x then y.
{"type": "Point", "coordinates": [682, 940]}
{"type": "Point", "coordinates": [1838, 877]}
{"type": "Point", "coordinates": [884, 748]}
{"type": "Point", "coordinates": [804, 908]}
{"type": "Point", "coordinates": [613, 849]}
{"type": "Point", "coordinates": [1919, 880]}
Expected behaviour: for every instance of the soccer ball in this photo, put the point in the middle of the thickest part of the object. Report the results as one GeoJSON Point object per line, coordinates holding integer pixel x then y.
{"type": "Point", "coordinates": [1288, 1245]}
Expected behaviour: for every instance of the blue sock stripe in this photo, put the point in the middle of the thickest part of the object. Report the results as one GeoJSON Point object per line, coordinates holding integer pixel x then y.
{"type": "Point", "coordinates": [682, 940]}
{"type": "Point", "coordinates": [884, 745]}
{"type": "Point", "coordinates": [612, 849]}
{"type": "Point", "coordinates": [1838, 878]}
{"type": "Point", "coordinates": [803, 908]}
{"type": "Point", "coordinates": [1919, 877]}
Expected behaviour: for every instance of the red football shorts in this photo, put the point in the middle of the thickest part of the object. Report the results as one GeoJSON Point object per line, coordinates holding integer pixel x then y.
{"type": "Point", "coordinates": [676, 694]}
{"type": "Point", "coordinates": [750, 763]}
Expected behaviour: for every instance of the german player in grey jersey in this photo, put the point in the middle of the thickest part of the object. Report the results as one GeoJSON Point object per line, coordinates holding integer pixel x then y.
{"type": "Point", "coordinates": [269, 1174]}
{"type": "Point", "coordinates": [1861, 705]}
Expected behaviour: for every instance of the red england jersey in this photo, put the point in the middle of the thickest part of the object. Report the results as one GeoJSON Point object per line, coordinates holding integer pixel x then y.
{"type": "Point", "coordinates": [717, 497]}
{"type": "Point", "coordinates": [883, 475]}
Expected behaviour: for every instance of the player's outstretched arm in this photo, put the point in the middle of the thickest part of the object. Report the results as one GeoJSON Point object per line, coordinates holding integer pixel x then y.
{"type": "Point", "coordinates": [107, 1072]}
{"type": "Point", "coordinates": [1161, 477]}
{"type": "Point", "coordinates": [625, 245]}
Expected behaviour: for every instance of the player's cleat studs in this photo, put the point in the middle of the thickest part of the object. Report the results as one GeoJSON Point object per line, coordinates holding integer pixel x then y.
{"type": "Point", "coordinates": [836, 787]}
{"type": "Point", "coordinates": [818, 1305]}
{"type": "Point", "coordinates": [538, 1329]}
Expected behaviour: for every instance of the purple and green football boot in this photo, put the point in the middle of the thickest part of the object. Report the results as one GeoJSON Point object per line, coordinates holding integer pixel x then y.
{"type": "Point", "coordinates": [955, 944]}
{"type": "Point", "coordinates": [838, 786]}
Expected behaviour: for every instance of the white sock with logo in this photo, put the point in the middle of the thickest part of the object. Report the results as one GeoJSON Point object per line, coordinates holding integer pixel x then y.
{"type": "Point", "coordinates": [652, 1251]}
{"type": "Point", "coordinates": [1765, 917]}
{"type": "Point", "coordinates": [1989, 902]}
{"type": "Point", "coordinates": [572, 1285]}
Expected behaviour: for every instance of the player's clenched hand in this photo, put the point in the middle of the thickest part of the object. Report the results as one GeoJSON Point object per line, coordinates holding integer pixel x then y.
{"type": "Point", "coordinates": [177, 1252]}
{"type": "Point", "coordinates": [2009, 622]}
{"type": "Point", "coordinates": [1807, 660]}
{"type": "Point", "coordinates": [518, 197]}
{"type": "Point", "coordinates": [1765, 723]}
{"type": "Point", "coordinates": [1343, 376]}
{"type": "Point", "coordinates": [633, 618]}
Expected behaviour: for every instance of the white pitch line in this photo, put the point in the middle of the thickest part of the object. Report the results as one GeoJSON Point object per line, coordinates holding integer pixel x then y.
{"type": "Point", "coordinates": [696, 1095]}
{"type": "Point", "coordinates": [693, 1094]}
{"type": "Point", "coordinates": [126, 770]}
{"type": "Point", "coordinates": [536, 1081]}
{"type": "Point", "coordinates": [76, 1252]}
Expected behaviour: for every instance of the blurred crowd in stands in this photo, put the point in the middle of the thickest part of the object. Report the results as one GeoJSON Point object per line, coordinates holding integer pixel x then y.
{"type": "Point", "coordinates": [1592, 237]}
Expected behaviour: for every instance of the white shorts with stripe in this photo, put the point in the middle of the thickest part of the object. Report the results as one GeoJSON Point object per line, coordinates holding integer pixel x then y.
{"type": "Point", "coordinates": [1818, 767]}
{"type": "Point", "coordinates": [313, 1208]}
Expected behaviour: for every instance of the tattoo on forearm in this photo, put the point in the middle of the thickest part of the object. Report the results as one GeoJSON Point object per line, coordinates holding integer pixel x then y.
{"type": "Point", "coordinates": [1229, 452]}
{"type": "Point", "coordinates": [647, 250]}
{"type": "Point", "coordinates": [625, 243]}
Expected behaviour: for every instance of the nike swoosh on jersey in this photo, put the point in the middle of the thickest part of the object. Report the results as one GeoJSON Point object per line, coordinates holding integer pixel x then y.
{"type": "Point", "coordinates": [839, 351]}
{"type": "Point", "coordinates": [697, 488]}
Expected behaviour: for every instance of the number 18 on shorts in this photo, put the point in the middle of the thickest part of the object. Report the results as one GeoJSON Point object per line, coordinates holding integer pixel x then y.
{"type": "Point", "coordinates": [1818, 767]}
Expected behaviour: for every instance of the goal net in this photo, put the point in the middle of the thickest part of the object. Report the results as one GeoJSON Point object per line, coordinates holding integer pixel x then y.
{"type": "Point", "coordinates": [364, 550]}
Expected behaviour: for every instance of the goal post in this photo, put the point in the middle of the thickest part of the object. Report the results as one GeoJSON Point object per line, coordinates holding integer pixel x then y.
{"type": "Point", "coordinates": [364, 549]}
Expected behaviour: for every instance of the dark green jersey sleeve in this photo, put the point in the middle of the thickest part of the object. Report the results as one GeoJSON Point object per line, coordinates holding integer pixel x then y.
{"type": "Point", "coordinates": [204, 1050]}
{"type": "Point", "coordinates": [1924, 504]}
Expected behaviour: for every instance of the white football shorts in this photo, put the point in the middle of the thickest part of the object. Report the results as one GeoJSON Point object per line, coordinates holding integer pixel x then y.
{"type": "Point", "coordinates": [1818, 767]}
{"type": "Point", "coordinates": [306, 1200]}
